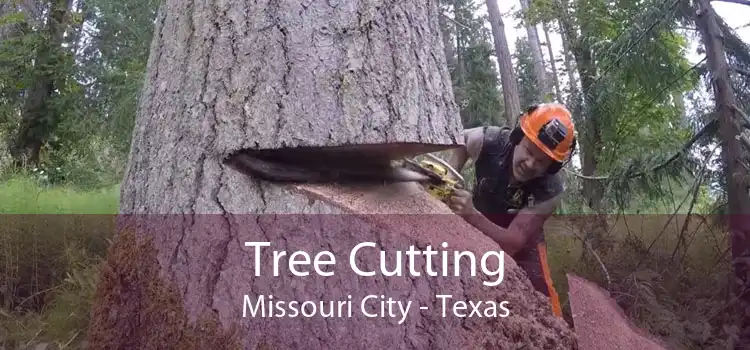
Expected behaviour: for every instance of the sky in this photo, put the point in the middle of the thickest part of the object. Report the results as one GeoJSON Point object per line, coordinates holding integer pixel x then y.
{"type": "Point", "coordinates": [737, 16]}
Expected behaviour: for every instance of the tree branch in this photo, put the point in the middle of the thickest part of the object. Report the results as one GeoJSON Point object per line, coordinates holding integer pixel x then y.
{"type": "Point", "coordinates": [741, 2]}
{"type": "Point", "coordinates": [740, 70]}
{"type": "Point", "coordinates": [709, 128]}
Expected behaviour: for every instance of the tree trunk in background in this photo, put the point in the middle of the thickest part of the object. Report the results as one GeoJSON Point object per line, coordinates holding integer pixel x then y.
{"type": "Point", "coordinates": [589, 135]}
{"type": "Point", "coordinates": [553, 64]}
{"type": "Point", "coordinates": [732, 155]}
{"type": "Point", "coordinates": [508, 78]}
{"type": "Point", "coordinates": [37, 119]}
{"type": "Point", "coordinates": [536, 54]}
{"type": "Point", "coordinates": [460, 71]}
{"type": "Point", "coordinates": [570, 69]}
{"type": "Point", "coordinates": [291, 74]}
{"type": "Point", "coordinates": [448, 47]}
{"type": "Point", "coordinates": [679, 102]}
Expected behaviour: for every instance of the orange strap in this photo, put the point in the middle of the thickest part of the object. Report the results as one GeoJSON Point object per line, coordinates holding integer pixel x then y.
{"type": "Point", "coordinates": [553, 297]}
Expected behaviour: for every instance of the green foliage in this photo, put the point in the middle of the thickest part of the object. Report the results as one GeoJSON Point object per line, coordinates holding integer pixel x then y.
{"type": "Point", "coordinates": [528, 87]}
{"type": "Point", "coordinates": [482, 104]}
{"type": "Point", "coordinates": [475, 79]}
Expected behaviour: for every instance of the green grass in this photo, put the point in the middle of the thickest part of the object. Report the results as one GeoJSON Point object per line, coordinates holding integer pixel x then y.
{"type": "Point", "coordinates": [22, 195]}
{"type": "Point", "coordinates": [48, 262]}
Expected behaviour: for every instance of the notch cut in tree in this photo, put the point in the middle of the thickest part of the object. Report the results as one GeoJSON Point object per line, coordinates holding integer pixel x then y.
{"type": "Point", "coordinates": [238, 76]}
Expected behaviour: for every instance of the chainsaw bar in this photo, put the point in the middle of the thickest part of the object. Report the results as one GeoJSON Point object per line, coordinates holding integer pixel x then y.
{"type": "Point", "coordinates": [322, 169]}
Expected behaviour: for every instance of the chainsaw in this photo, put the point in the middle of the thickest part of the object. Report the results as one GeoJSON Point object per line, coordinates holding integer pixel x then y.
{"type": "Point", "coordinates": [343, 166]}
{"type": "Point", "coordinates": [442, 180]}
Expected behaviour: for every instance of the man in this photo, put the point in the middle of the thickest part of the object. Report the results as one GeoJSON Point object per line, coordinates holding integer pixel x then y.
{"type": "Point", "coordinates": [511, 166]}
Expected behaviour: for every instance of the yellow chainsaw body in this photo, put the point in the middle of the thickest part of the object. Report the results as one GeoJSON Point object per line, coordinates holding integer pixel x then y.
{"type": "Point", "coordinates": [447, 185]}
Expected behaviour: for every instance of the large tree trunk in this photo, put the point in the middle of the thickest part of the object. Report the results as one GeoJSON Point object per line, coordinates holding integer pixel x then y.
{"type": "Point", "coordinates": [732, 154]}
{"type": "Point", "coordinates": [293, 74]}
{"type": "Point", "coordinates": [536, 54]}
{"type": "Point", "coordinates": [511, 97]}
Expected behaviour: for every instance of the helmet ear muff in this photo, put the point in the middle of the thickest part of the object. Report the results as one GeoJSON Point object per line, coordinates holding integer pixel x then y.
{"type": "Point", "coordinates": [516, 135]}
{"type": "Point", "coordinates": [557, 166]}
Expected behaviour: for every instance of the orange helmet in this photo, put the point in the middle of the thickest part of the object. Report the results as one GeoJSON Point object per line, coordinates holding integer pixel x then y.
{"type": "Point", "coordinates": [550, 127]}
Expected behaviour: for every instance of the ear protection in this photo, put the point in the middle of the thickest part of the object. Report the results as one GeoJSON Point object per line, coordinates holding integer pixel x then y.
{"type": "Point", "coordinates": [516, 135]}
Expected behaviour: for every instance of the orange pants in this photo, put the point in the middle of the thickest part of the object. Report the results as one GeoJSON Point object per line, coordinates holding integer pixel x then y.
{"type": "Point", "coordinates": [534, 261]}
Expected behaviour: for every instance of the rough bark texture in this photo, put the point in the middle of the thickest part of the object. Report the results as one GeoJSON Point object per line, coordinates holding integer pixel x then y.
{"type": "Point", "coordinates": [511, 97]}
{"type": "Point", "coordinates": [235, 75]}
{"type": "Point", "coordinates": [289, 74]}
{"type": "Point", "coordinates": [732, 156]}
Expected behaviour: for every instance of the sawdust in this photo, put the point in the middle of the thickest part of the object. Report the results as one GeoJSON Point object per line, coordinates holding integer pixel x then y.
{"type": "Point", "coordinates": [600, 323]}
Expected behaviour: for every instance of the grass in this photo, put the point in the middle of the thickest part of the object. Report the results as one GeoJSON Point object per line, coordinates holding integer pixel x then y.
{"type": "Point", "coordinates": [22, 195]}
{"type": "Point", "coordinates": [48, 262]}
{"type": "Point", "coordinates": [48, 267]}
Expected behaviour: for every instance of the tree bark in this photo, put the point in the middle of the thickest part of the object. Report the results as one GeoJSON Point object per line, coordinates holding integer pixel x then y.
{"type": "Point", "coordinates": [508, 80]}
{"type": "Point", "coordinates": [292, 74]}
{"type": "Point", "coordinates": [732, 155]}
{"type": "Point", "coordinates": [553, 64]}
{"type": "Point", "coordinates": [536, 54]}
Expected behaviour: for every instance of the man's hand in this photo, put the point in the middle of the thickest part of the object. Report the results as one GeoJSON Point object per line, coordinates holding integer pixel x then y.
{"type": "Point", "coordinates": [461, 202]}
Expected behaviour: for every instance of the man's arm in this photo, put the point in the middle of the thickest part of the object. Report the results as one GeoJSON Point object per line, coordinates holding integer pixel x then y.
{"type": "Point", "coordinates": [527, 223]}
{"type": "Point", "coordinates": [510, 241]}
{"type": "Point", "coordinates": [473, 139]}
{"type": "Point", "coordinates": [530, 220]}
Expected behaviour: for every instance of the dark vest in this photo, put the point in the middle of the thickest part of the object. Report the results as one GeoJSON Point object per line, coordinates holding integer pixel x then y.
{"type": "Point", "coordinates": [493, 194]}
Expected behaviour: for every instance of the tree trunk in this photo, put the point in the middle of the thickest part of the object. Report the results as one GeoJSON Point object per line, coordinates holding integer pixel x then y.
{"type": "Point", "coordinates": [536, 54]}
{"type": "Point", "coordinates": [553, 64]}
{"type": "Point", "coordinates": [507, 76]}
{"type": "Point", "coordinates": [590, 134]}
{"type": "Point", "coordinates": [732, 155]}
{"type": "Point", "coordinates": [460, 44]}
{"type": "Point", "coordinates": [38, 117]}
{"type": "Point", "coordinates": [570, 69]}
{"type": "Point", "coordinates": [292, 75]}
{"type": "Point", "coordinates": [448, 48]}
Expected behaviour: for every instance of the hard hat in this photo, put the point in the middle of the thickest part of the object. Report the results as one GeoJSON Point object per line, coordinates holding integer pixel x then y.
{"type": "Point", "coordinates": [550, 127]}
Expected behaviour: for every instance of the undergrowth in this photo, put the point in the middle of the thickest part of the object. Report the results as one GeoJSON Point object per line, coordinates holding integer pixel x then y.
{"type": "Point", "coordinates": [48, 262]}
{"type": "Point", "coordinates": [48, 265]}
{"type": "Point", "coordinates": [670, 281]}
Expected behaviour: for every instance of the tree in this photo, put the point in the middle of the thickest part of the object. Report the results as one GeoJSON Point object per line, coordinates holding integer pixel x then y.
{"type": "Point", "coordinates": [475, 84]}
{"type": "Point", "coordinates": [369, 77]}
{"type": "Point", "coordinates": [535, 47]}
{"type": "Point", "coordinates": [733, 155]}
{"type": "Point", "coordinates": [507, 76]}
{"type": "Point", "coordinates": [530, 90]}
